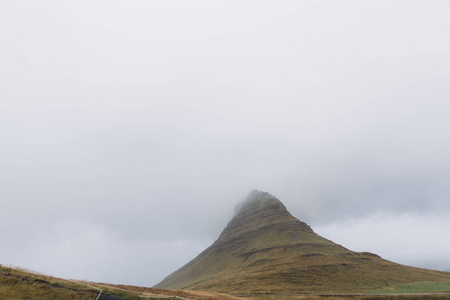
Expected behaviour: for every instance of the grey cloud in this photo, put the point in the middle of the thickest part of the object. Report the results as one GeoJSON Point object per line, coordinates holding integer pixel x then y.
{"type": "Point", "coordinates": [147, 123]}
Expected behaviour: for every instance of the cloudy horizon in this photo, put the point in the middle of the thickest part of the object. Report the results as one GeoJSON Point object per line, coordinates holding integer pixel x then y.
{"type": "Point", "coordinates": [130, 130]}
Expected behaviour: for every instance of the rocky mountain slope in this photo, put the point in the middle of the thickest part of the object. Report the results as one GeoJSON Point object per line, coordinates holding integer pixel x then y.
{"type": "Point", "coordinates": [264, 249]}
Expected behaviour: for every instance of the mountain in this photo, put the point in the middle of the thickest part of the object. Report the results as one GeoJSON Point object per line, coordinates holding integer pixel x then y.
{"type": "Point", "coordinates": [264, 249]}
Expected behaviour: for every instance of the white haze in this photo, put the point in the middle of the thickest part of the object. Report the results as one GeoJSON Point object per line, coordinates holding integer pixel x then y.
{"type": "Point", "coordinates": [129, 130]}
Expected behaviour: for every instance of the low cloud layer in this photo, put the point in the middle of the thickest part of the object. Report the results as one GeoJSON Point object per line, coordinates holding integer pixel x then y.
{"type": "Point", "coordinates": [129, 131]}
{"type": "Point", "coordinates": [397, 237]}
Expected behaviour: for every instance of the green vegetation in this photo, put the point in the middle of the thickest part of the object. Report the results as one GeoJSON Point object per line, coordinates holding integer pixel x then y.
{"type": "Point", "coordinates": [365, 297]}
{"type": "Point", "coordinates": [420, 287]}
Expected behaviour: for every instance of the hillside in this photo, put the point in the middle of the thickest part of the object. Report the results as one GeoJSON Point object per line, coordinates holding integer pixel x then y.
{"type": "Point", "coordinates": [18, 284]}
{"type": "Point", "coordinates": [264, 249]}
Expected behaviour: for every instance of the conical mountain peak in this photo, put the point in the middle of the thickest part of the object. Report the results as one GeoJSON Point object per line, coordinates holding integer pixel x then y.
{"type": "Point", "coordinates": [258, 201]}
{"type": "Point", "coordinates": [261, 212]}
{"type": "Point", "coordinates": [264, 249]}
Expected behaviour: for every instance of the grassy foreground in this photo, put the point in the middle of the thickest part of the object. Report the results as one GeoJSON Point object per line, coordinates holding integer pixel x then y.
{"type": "Point", "coordinates": [21, 284]}
{"type": "Point", "coordinates": [339, 297]}
{"type": "Point", "coordinates": [421, 287]}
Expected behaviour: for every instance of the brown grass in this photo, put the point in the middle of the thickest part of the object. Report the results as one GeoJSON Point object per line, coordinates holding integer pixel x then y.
{"type": "Point", "coordinates": [380, 297]}
{"type": "Point", "coordinates": [17, 284]}
{"type": "Point", "coordinates": [20, 284]}
{"type": "Point", "coordinates": [201, 295]}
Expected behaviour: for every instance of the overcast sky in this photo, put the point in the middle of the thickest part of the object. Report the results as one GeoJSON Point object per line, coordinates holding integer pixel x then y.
{"type": "Point", "coordinates": [129, 130]}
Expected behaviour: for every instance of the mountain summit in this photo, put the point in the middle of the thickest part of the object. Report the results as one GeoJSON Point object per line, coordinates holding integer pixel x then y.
{"type": "Point", "coordinates": [258, 213]}
{"type": "Point", "coordinates": [264, 249]}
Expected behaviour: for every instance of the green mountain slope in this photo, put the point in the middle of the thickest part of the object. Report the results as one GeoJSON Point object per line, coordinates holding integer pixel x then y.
{"type": "Point", "coordinates": [264, 249]}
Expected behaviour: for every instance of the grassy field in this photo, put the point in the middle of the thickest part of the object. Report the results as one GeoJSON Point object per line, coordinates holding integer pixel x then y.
{"type": "Point", "coordinates": [430, 290]}
{"type": "Point", "coordinates": [421, 287]}
{"type": "Point", "coordinates": [348, 297]}
{"type": "Point", "coordinates": [20, 284]}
